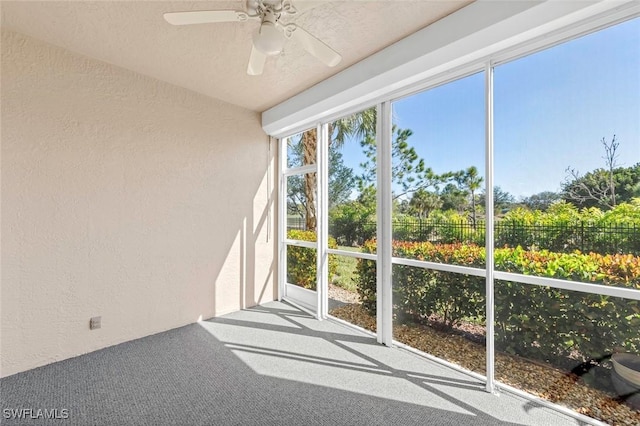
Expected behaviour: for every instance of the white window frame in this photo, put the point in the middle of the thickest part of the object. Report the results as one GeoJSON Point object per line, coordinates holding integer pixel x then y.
{"type": "Point", "coordinates": [300, 297]}
{"type": "Point", "coordinates": [383, 257]}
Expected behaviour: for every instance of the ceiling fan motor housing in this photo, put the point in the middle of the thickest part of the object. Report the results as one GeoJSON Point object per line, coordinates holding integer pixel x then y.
{"type": "Point", "coordinates": [253, 5]}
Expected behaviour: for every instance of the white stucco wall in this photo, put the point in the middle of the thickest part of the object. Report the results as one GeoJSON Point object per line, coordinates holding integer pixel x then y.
{"type": "Point", "coordinates": [122, 197]}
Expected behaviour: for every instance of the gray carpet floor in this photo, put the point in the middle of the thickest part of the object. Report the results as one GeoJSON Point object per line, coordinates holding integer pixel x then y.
{"type": "Point", "coordinates": [269, 365]}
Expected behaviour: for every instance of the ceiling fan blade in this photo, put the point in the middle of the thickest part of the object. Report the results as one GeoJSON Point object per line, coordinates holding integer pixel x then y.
{"type": "Point", "coordinates": [312, 45]}
{"type": "Point", "coordinates": [256, 62]}
{"type": "Point", "coordinates": [205, 17]}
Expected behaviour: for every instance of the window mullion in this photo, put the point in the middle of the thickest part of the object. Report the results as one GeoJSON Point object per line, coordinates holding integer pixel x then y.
{"type": "Point", "coordinates": [323, 222]}
{"type": "Point", "coordinates": [282, 219]}
{"type": "Point", "coordinates": [384, 307]}
{"type": "Point", "coordinates": [489, 238]}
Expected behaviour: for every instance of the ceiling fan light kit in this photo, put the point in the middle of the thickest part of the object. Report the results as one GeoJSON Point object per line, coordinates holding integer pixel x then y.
{"type": "Point", "coordinates": [270, 37]}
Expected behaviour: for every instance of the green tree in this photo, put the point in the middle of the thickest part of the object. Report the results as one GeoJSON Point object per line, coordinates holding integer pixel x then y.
{"type": "Point", "coordinates": [353, 222]}
{"type": "Point", "coordinates": [541, 200]}
{"type": "Point", "coordinates": [408, 171]}
{"type": "Point", "coordinates": [603, 187]}
{"type": "Point", "coordinates": [356, 125]}
{"type": "Point", "coordinates": [423, 202]}
{"type": "Point", "coordinates": [592, 189]}
{"type": "Point", "coordinates": [627, 180]}
{"type": "Point", "coordinates": [470, 181]}
{"type": "Point", "coordinates": [296, 200]}
{"type": "Point", "coordinates": [341, 182]}
{"type": "Point", "coordinates": [453, 198]}
{"type": "Point", "coordinates": [502, 200]}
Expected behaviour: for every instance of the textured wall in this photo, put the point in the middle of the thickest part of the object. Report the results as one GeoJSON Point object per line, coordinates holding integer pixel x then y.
{"type": "Point", "coordinates": [124, 197]}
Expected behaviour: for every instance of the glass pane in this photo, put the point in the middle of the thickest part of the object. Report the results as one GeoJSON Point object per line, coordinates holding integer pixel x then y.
{"type": "Point", "coordinates": [438, 170]}
{"type": "Point", "coordinates": [352, 179]}
{"type": "Point", "coordinates": [441, 313]}
{"type": "Point", "coordinates": [567, 146]}
{"type": "Point", "coordinates": [352, 290]}
{"type": "Point", "coordinates": [570, 225]}
{"type": "Point", "coordinates": [302, 149]}
{"type": "Point", "coordinates": [557, 345]}
{"type": "Point", "coordinates": [301, 207]}
{"type": "Point", "coordinates": [302, 266]}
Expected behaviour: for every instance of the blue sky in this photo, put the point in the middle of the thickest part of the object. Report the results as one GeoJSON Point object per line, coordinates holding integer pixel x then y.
{"type": "Point", "coordinates": [551, 110]}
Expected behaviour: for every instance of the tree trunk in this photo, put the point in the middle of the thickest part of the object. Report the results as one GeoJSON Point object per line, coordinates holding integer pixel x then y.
{"type": "Point", "coordinates": [310, 149]}
{"type": "Point", "coordinates": [612, 186]}
{"type": "Point", "coordinates": [473, 209]}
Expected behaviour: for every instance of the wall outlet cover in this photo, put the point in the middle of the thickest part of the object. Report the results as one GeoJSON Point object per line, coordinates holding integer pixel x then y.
{"type": "Point", "coordinates": [95, 322]}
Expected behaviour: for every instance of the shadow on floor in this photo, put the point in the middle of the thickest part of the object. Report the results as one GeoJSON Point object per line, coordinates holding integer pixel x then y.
{"type": "Point", "coordinates": [269, 365]}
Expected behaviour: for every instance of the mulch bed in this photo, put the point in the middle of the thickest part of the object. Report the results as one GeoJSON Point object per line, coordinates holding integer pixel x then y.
{"type": "Point", "coordinates": [536, 378]}
{"type": "Point", "coordinates": [342, 295]}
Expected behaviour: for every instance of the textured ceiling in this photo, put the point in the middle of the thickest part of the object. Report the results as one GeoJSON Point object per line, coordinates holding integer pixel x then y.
{"type": "Point", "coordinates": [212, 58]}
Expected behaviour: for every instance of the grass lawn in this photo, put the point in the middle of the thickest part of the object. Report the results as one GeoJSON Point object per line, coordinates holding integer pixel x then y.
{"type": "Point", "coordinates": [346, 271]}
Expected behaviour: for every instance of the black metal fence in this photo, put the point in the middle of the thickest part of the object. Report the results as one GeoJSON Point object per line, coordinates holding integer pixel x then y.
{"type": "Point", "coordinates": [559, 237]}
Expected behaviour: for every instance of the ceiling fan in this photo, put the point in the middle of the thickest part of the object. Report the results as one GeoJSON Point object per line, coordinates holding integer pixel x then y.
{"type": "Point", "coordinates": [269, 39]}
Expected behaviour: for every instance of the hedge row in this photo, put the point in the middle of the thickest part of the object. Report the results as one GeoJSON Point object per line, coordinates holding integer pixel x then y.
{"type": "Point", "coordinates": [533, 321]}
{"type": "Point", "coordinates": [302, 265]}
{"type": "Point", "coordinates": [561, 228]}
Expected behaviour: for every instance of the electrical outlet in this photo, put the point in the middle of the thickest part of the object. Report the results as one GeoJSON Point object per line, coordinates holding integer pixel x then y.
{"type": "Point", "coordinates": [95, 322]}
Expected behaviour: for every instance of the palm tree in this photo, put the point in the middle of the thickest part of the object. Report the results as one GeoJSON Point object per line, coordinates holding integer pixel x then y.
{"type": "Point", "coordinates": [471, 181]}
{"type": "Point", "coordinates": [423, 203]}
{"type": "Point", "coordinates": [309, 155]}
{"type": "Point", "coordinates": [356, 125]}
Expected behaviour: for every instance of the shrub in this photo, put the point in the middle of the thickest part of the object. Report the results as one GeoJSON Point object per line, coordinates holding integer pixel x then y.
{"type": "Point", "coordinates": [367, 278]}
{"type": "Point", "coordinates": [564, 228]}
{"type": "Point", "coordinates": [302, 263]}
{"type": "Point", "coordinates": [534, 321]}
{"type": "Point", "coordinates": [418, 292]}
{"type": "Point", "coordinates": [543, 322]}
{"type": "Point", "coordinates": [352, 223]}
